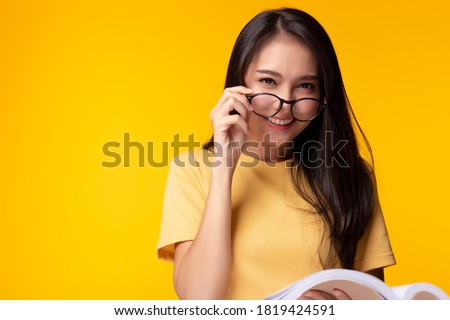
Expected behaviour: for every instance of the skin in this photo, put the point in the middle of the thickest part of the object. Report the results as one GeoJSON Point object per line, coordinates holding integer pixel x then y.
{"type": "Point", "coordinates": [284, 67]}
{"type": "Point", "coordinates": [288, 69]}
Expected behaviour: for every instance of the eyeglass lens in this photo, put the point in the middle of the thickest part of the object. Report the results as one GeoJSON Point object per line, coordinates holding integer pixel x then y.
{"type": "Point", "coordinates": [267, 105]}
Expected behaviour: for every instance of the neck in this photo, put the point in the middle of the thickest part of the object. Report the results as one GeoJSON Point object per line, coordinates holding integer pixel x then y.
{"type": "Point", "coordinates": [270, 151]}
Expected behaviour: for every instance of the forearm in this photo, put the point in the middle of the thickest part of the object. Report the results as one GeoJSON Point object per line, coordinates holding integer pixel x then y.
{"type": "Point", "coordinates": [203, 272]}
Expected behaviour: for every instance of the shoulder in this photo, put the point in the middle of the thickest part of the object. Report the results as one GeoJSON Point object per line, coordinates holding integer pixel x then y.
{"type": "Point", "coordinates": [192, 165]}
{"type": "Point", "coordinates": [193, 159]}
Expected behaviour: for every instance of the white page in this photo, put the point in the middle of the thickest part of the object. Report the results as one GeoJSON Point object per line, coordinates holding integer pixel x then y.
{"type": "Point", "coordinates": [420, 291]}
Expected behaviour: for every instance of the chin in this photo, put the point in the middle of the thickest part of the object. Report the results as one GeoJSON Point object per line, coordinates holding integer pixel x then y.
{"type": "Point", "coordinates": [285, 137]}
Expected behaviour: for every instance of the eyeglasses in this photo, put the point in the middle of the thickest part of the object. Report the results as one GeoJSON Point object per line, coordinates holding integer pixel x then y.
{"type": "Point", "coordinates": [267, 105]}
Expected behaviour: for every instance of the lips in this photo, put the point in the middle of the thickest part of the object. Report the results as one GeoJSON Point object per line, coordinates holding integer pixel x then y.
{"type": "Point", "coordinates": [280, 122]}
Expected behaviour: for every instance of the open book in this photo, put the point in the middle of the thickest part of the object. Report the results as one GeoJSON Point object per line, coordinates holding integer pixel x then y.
{"type": "Point", "coordinates": [359, 286]}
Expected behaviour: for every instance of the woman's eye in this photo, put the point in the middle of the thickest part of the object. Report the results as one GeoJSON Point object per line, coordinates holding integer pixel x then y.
{"type": "Point", "coordinates": [306, 86]}
{"type": "Point", "coordinates": [267, 81]}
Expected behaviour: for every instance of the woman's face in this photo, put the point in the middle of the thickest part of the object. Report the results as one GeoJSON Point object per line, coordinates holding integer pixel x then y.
{"type": "Point", "coordinates": [287, 68]}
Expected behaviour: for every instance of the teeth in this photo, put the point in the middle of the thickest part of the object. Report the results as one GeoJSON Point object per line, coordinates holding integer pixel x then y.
{"type": "Point", "coordinates": [280, 122]}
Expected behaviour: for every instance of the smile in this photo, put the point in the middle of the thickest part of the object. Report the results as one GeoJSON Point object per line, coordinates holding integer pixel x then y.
{"type": "Point", "coordinates": [280, 122]}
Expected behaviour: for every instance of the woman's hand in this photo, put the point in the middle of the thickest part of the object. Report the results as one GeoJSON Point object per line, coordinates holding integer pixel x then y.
{"type": "Point", "coordinates": [202, 265]}
{"type": "Point", "coordinates": [230, 130]}
{"type": "Point", "coordinates": [322, 295]}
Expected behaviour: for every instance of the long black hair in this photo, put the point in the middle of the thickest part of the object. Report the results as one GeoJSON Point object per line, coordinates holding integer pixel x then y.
{"type": "Point", "coordinates": [340, 189]}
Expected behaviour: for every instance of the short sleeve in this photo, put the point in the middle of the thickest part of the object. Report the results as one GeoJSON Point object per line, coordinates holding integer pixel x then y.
{"type": "Point", "coordinates": [374, 248]}
{"type": "Point", "coordinates": [183, 205]}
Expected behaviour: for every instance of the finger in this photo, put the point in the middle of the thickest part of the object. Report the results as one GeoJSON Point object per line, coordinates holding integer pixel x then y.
{"type": "Point", "coordinates": [341, 295]}
{"type": "Point", "coordinates": [237, 120]}
{"type": "Point", "coordinates": [238, 92]}
{"type": "Point", "coordinates": [242, 99]}
{"type": "Point", "coordinates": [225, 108]}
{"type": "Point", "coordinates": [233, 104]}
{"type": "Point", "coordinates": [305, 297]}
{"type": "Point", "coordinates": [316, 295]}
{"type": "Point", "coordinates": [239, 89]}
{"type": "Point", "coordinates": [224, 123]}
{"type": "Point", "coordinates": [242, 124]}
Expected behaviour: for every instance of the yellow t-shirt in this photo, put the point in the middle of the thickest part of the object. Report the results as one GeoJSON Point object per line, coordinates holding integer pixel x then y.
{"type": "Point", "coordinates": [276, 236]}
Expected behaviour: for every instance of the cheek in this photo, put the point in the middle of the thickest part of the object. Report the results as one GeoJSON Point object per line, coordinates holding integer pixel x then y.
{"type": "Point", "coordinates": [255, 122]}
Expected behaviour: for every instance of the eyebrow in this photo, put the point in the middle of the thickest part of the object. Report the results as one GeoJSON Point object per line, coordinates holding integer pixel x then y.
{"type": "Point", "coordinates": [273, 73]}
{"type": "Point", "coordinates": [277, 74]}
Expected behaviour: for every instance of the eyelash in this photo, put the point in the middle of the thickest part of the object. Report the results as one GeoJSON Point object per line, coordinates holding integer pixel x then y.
{"type": "Point", "coordinates": [306, 86]}
{"type": "Point", "coordinates": [270, 81]}
{"type": "Point", "coordinates": [266, 80]}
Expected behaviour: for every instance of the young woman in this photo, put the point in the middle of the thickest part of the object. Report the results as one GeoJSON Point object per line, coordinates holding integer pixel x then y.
{"type": "Point", "coordinates": [281, 190]}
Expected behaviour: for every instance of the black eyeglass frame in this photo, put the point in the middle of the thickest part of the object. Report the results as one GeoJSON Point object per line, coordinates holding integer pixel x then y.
{"type": "Point", "coordinates": [322, 105]}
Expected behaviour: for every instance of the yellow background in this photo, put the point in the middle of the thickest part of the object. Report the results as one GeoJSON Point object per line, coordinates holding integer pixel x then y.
{"type": "Point", "coordinates": [75, 75]}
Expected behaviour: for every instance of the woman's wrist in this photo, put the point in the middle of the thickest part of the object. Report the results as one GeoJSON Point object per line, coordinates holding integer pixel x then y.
{"type": "Point", "coordinates": [223, 169]}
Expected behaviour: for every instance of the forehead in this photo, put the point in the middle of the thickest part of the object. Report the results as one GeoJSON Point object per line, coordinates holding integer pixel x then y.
{"type": "Point", "coordinates": [284, 54]}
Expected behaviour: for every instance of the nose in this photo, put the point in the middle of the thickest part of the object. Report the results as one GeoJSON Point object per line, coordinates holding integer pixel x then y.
{"type": "Point", "coordinates": [287, 97]}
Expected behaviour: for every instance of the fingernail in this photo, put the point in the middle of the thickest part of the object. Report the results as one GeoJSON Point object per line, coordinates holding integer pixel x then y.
{"type": "Point", "coordinates": [337, 292]}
